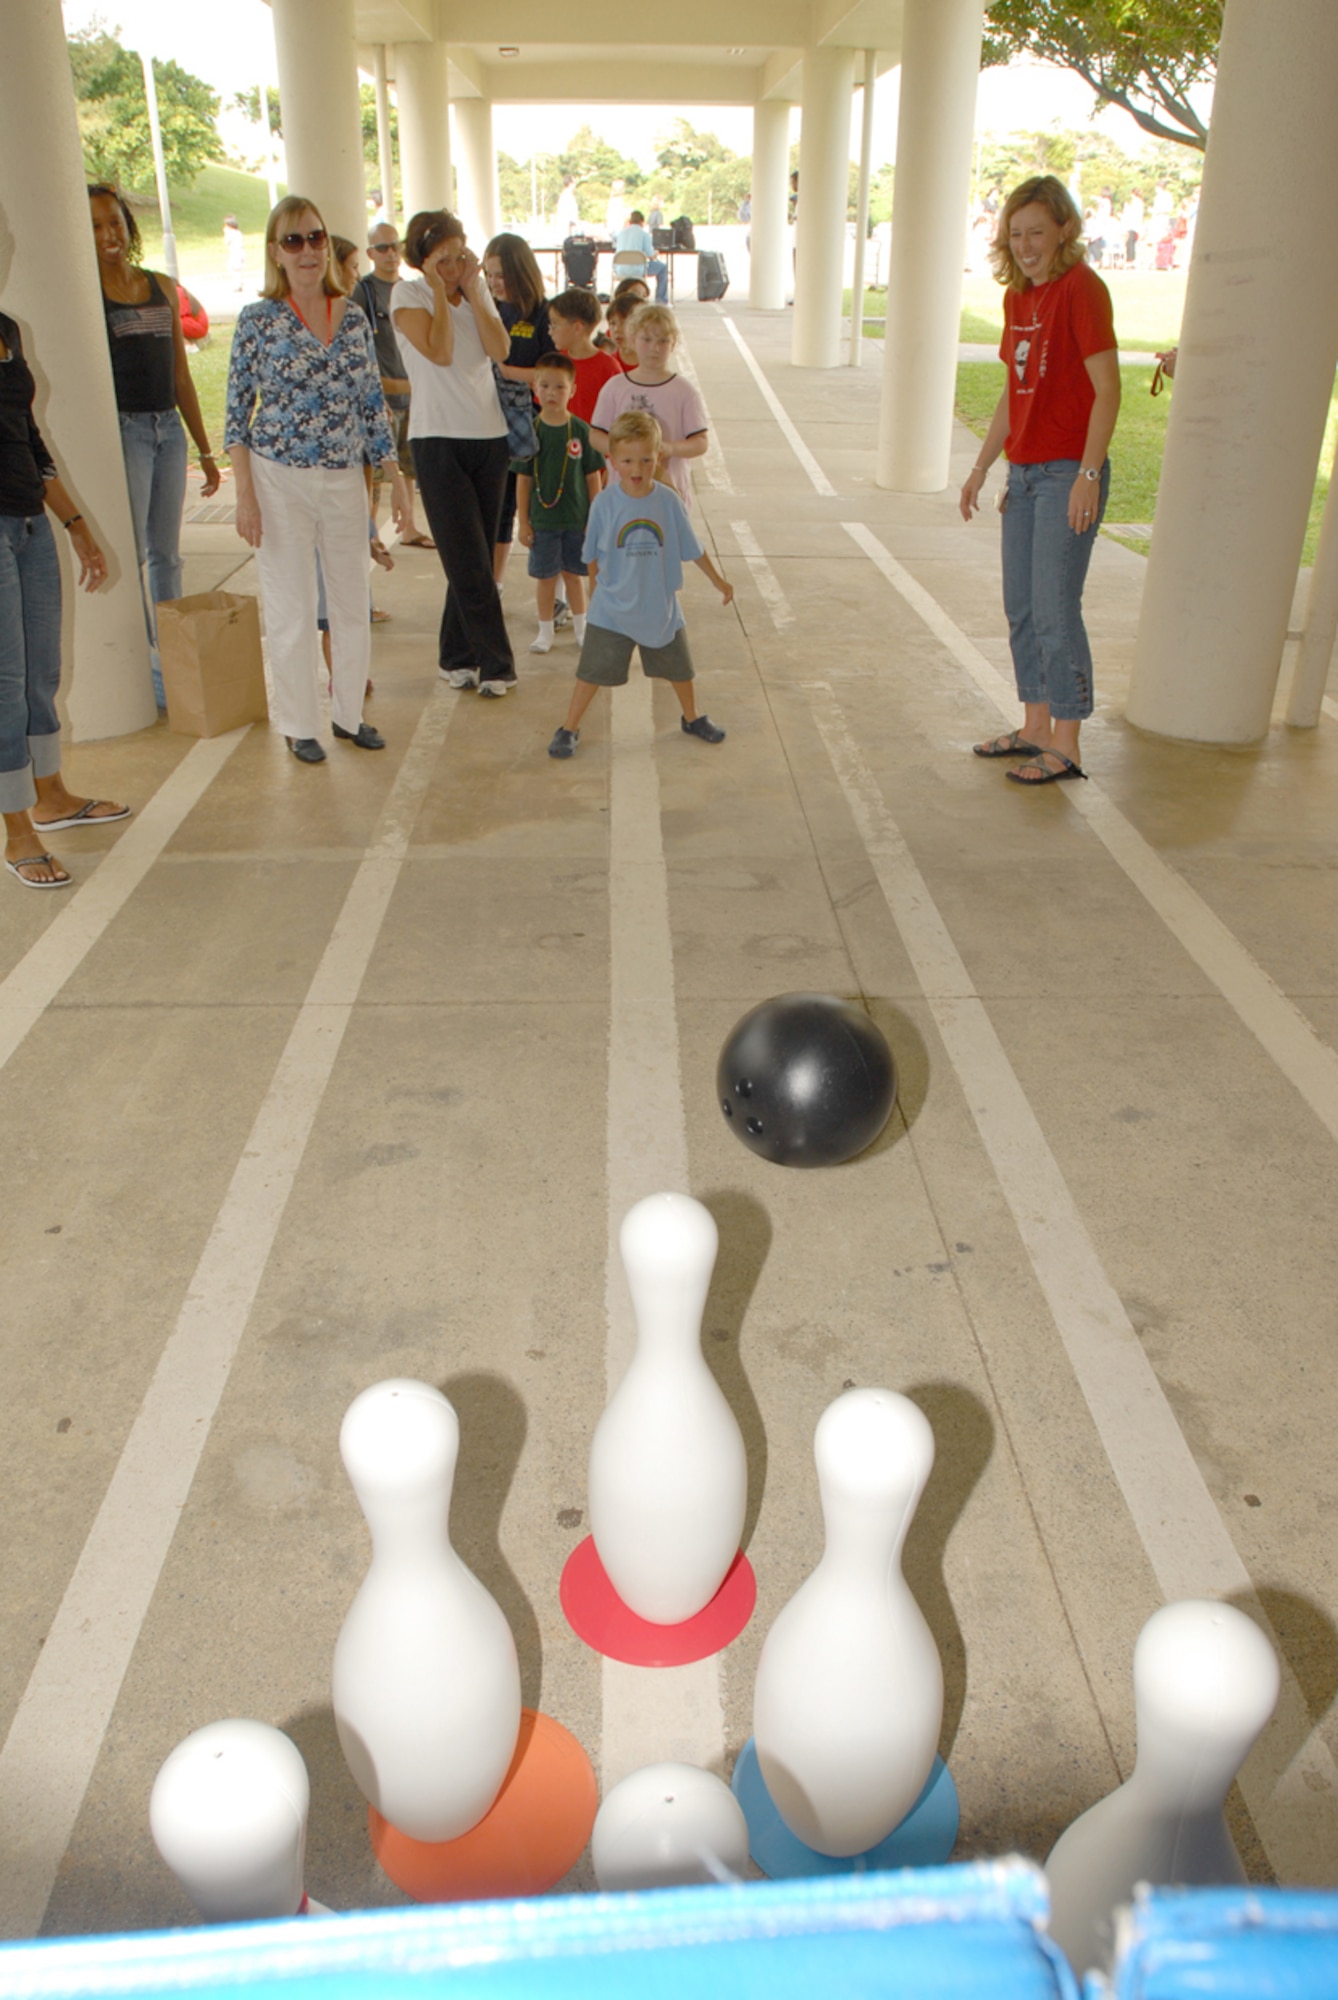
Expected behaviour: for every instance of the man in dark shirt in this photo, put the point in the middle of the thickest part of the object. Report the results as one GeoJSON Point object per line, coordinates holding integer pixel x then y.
{"type": "Point", "coordinates": [373, 295]}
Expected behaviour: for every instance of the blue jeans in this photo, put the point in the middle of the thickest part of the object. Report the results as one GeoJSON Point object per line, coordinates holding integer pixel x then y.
{"type": "Point", "coordinates": [154, 446]}
{"type": "Point", "coordinates": [659, 270]}
{"type": "Point", "coordinates": [29, 658]}
{"type": "Point", "coordinates": [1044, 570]}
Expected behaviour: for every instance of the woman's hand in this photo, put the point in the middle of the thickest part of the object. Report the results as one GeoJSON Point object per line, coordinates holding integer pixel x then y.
{"type": "Point", "coordinates": [972, 487]}
{"type": "Point", "coordinates": [248, 519]}
{"type": "Point", "coordinates": [1084, 500]}
{"type": "Point", "coordinates": [92, 562]}
{"type": "Point", "coordinates": [213, 478]}
{"type": "Point", "coordinates": [401, 505]}
{"type": "Point", "coordinates": [470, 270]}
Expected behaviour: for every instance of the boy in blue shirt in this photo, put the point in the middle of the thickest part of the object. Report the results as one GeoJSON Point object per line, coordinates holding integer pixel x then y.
{"type": "Point", "coordinates": [638, 538]}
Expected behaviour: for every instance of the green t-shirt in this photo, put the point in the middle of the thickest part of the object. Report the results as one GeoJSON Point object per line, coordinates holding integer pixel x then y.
{"type": "Point", "coordinates": [559, 497]}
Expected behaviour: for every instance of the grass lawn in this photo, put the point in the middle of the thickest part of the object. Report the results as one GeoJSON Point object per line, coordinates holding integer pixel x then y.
{"type": "Point", "coordinates": [210, 370]}
{"type": "Point", "coordinates": [197, 222]}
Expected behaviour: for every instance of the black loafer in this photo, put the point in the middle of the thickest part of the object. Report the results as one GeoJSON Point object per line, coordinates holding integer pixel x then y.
{"type": "Point", "coordinates": [306, 749]}
{"type": "Point", "coordinates": [364, 736]}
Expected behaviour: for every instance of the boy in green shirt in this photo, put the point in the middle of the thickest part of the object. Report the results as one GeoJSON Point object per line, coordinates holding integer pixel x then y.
{"type": "Point", "coordinates": [554, 490]}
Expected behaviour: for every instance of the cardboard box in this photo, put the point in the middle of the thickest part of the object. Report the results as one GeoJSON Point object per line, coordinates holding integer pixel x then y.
{"type": "Point", "coordinates": [213, 669]}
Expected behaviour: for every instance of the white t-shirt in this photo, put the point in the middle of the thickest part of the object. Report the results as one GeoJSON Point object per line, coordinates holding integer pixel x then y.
{"type": "Point", "coordinates": [458, 401]}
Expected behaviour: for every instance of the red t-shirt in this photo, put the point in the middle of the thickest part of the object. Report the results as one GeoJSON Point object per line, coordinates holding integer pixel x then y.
{"type": "Point", "coordinates": [1050, 332]}
{"type": "Point", "coordinates": [591, 375]}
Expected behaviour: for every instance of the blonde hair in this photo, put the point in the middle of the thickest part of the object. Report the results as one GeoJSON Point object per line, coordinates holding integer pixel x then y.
{"type": "Point", "coordinates": [1051, 195]}
{"type": "Point", "coordinates": [659, 316]}
{"type": "Point", "coordinates": [283, 216]}
{"type": "Point", "coordinates": [635, 424]}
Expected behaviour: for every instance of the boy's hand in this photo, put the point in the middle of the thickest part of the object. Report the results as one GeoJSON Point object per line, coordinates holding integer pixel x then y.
{"type": "Point", "coordinates": [525, 532]}
{"type": "Point", "coordinates": [726, 591]}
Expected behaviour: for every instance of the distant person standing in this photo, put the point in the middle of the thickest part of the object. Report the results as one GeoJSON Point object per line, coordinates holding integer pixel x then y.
{"type": "Point", "coordinates": [152, 378]}
{"type": "Point", "coordinates": [234, 249]}
{"type": "Point", "coordinates": [372, 293]}
{"type": "Point", "coordinates": [615, 215]}
{"type": "Point", "coordinates": [567, 214]}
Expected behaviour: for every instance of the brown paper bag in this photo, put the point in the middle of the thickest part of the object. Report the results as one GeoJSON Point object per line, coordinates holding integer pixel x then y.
{"type": "Point", "coordinates": [213, 672]}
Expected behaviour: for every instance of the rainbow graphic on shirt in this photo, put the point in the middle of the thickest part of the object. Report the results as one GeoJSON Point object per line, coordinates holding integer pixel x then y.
{"type": "Point", "coordinates": [629, 528]}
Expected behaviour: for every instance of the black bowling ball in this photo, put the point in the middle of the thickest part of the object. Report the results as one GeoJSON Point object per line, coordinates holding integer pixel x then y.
{"type": "Point", "coordinates": [806, 1080]}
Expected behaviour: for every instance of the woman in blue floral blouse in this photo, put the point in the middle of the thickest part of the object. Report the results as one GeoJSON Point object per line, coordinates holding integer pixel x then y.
{"type": "Point", "coordinates": [305, 409]}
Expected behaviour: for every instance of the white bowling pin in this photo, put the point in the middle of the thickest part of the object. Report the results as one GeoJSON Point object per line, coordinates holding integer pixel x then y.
{"type": "Point", "coordinates": [228, 1814]}
{"type": "Point", "coordinates": [666, 1825]}
{"type": "Point", "coordinates": [668, 1481]}
{"type": "Point", "coordinates": [426, 1681]}
{"type": "Point", "coordinates": [1205, 1683]}
{"type": "Point", "coordinates": [849, 1695]}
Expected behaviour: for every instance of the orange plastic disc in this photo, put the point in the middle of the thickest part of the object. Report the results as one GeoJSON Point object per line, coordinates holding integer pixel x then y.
{"type": "Point", "coordinates": [535, 1830]}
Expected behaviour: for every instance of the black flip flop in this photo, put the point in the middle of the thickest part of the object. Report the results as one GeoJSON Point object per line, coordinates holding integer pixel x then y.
{"type": "Point", "coordinates": [1047, 777]}
{"type": "Point", "coordinates": [1013, 745]}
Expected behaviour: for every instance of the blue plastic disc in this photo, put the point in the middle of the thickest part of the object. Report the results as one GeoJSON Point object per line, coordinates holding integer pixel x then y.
{"type": "Point", "coordinates": [924, 1838]}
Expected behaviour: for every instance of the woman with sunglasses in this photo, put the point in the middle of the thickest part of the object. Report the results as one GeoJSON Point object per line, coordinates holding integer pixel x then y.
{"type": "Point", "coordinates": [450, 336]}
{"type": "Point", "coordinates": [305, 410]}
{"type": "Point", "coordinates": [152, 377]}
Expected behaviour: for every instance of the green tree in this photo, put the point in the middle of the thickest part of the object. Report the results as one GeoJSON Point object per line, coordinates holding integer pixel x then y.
{"type": "Point", "coordinates": [1146, 56]}
{"type": "Point", "coordinates": [367, 106]}
{"type": "Point", "coordinates": [114, 114]}
{"type": "Point", "coordinates": [249, 102]}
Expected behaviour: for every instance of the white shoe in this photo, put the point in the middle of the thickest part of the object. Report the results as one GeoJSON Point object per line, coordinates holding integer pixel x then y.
{"type": "Point", "coordinates": [460, 677]}
{"type": "Point", "coordinates": [496, 688]}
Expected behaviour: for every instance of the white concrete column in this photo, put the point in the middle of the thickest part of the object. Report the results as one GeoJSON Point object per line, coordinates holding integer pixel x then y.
{"type": "Point", "coordinates": [425, 126]}
{"type": "Point", "coordinates": [480, 204]}
{"type": "Point", "coordinates": [1311, 674]}
{"type": "Point", "coordinates": [49, 285]}
{"type": "Point", "coordinates": [862, 210]}
{"type": "Point", "coordinates": [940, 63]}
{"type": "Point", "coordinates": [769, 252]}
{"type": "Point", "coordinates": [322, 120]}
{"type": "Point", "coordinates": [824, 182]}
{"type": "Point", "coordinates": [1258, 347]}
{"type": "Point", "coordinates": [385, 151]}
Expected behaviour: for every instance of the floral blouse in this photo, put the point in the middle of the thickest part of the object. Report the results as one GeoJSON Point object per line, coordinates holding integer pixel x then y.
{"type": "Point", "coordinates": [301, 404]}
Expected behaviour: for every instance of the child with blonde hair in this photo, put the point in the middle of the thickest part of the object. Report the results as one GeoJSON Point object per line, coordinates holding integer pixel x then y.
{"type": "Point", "coordinates": [636, 543]}
{"type": "Point", "coordinates": [653, 386]}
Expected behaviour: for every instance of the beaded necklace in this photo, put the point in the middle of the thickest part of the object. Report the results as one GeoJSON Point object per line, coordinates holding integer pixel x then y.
{"type": "Point", "coordinates": [566, 461]}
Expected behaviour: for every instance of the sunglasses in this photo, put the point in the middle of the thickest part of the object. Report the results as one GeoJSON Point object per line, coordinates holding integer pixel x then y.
{"type": "Point", "coordinates": [294, 240]}
{"type": "Point", "coordinates": [374, 247]}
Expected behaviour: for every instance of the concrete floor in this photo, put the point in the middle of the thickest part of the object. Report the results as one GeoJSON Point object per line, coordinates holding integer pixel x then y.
{"type": "Point", "coordinates": [328, 1075]}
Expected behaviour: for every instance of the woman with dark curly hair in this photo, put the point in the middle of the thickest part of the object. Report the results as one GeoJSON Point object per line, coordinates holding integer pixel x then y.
{"type": "Point", "coordinates": [1054, 419]}
{"type": "Point", "coordinates": [153, 381]}
{"type": "Point", "coordinates": [450, 336]}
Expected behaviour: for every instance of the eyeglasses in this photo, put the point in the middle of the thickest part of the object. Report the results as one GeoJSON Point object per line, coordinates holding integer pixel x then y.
{"type": "Point", "coordinates": [374, 247]}
{"type": "Point", "coordinates": [294, 240]}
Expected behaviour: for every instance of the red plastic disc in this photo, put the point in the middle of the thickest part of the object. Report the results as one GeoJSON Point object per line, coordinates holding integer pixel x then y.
{"type": "Point", "coordinates": [598, 1615]}
{"type": "Point", "coordinates": [535, 1830]}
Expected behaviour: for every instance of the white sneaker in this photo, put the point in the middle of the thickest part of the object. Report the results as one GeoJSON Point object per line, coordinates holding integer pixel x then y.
{"type": "Point", "coordinates": [460, 677]}
{"type": "Point", "coordinates": [496, 688]}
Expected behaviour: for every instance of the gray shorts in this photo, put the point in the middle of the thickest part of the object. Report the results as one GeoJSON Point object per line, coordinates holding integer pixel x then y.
{"type": "Point", "coordinates": [606, 657]}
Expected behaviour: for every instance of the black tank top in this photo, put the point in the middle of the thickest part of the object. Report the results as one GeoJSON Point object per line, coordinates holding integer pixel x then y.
{"type": "Point", "coordinates": [143, 355]}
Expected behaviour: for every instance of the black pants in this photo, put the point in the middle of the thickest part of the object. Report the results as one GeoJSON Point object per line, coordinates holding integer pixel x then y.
{"type": "Point", "coordinates": [462, 481]}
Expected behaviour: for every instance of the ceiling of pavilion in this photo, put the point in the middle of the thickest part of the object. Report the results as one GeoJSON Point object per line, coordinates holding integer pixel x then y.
{"type": "Point", "coordinates": [705, 52]}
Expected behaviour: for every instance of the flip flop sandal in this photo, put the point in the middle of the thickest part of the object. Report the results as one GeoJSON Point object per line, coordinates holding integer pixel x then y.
{"type": "Point", "coordinates": [1013, 745]}
{"type": "Point", "coordinates": [87, 815]}
{"type": "Point", "coordinates": [1047, 777]}
{"type": "Point", "coordinates": [416, 542]}
{"type": "Point", "coordinates": [61, 881]}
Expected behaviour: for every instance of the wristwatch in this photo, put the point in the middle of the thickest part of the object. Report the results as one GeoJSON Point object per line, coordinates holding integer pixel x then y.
{"type": "Point", "coordinates": [1091, 471]}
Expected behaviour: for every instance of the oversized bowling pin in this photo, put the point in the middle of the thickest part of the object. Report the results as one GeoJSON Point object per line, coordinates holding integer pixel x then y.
{"type": "Point", "coordinates": [666, 1825]}
{"type": "Point", "coordinates": [1205, 1682]}
{"type": "Point", "coordinates": [228, 1814]}
{"type": "Point", "coordinates": [426, 1681]}
{"type": "Point", "coordinates": [849, 1694]}
{"type": "Point", "coordinates": [668, 1477]}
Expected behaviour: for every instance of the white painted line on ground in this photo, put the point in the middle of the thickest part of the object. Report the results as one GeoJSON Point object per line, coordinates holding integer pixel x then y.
{"type": "Point", "coordinates": [56, 1735]}
{"type": "Point", "coordinates": [1277, 1024]}
{"type": "Point", "coordinates": [817, 477]}
{"type": "Point", "coordinates": [649, 1714]}
{"type": "Point", "coordinates": [1293, 1798]}
{"type": "Point", "coordinates": [713, 466]}
{"type": "Point", "coordinates": [764, 576]}
{"type": "Point", "coordinates": [45, 967]}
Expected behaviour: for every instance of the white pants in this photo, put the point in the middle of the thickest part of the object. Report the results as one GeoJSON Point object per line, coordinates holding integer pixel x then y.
{"type": "Point", "coordinates": [303, 510]}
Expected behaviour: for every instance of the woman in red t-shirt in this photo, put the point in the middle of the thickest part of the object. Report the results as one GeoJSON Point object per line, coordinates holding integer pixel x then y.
{"type": "Point", "coordinates": [1054, 420]}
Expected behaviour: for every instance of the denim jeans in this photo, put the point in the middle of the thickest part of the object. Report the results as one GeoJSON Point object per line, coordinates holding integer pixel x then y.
{"type": "Point", "coordinates": [154, 446]}
{"type": "Point", "coordinates": [1044, 570]}
{"type": "Point", "coordinates": [29, 658]}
